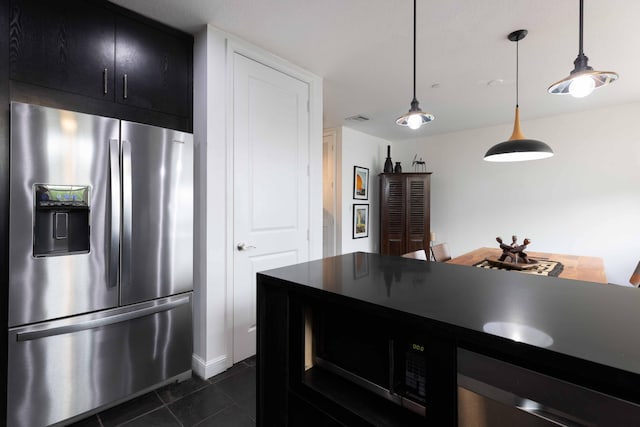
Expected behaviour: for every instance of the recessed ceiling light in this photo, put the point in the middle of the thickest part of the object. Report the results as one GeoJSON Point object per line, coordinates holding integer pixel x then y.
{"type": "Point", "coordinates": [436, 86]}
{"type": "Point", "coordinates": [495, 82]}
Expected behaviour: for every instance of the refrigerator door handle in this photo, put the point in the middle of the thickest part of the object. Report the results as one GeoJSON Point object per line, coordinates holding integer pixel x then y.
{"type": "Point", "coordinates": [114, 242]}
{"type": "Point", "coordinates": [125, 272]}
{"type": "Point", "coordinates": [104, 321]}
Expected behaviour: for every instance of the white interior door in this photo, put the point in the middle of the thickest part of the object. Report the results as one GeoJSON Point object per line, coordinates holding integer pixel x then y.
{"type": "Point", "coordinates": [271, 185]}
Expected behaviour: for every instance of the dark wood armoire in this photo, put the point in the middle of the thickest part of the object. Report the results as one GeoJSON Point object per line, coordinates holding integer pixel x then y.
{"type": "Point", "coordinates": [404, 212]}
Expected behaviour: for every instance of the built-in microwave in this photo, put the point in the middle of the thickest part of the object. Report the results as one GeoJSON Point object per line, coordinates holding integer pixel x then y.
{"type": "Point", "coordinates": [375, 355]}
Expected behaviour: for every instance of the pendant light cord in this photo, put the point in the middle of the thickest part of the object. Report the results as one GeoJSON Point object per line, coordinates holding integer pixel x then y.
{"type": "Point", "coordinates": [414, 50]}
{"type": "Point", "coordinates": [581, 53]}
{"type": "Point", "coordinates": [517, 72]}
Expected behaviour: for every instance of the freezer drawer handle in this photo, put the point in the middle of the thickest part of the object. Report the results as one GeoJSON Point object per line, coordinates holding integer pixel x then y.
{"type": "Point", "coordinates": [105, 321]}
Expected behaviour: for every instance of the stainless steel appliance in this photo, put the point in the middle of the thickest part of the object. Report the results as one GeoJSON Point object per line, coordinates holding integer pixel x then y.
{"type": "Point", "coordinates": [492, 392]}
{"type": "Point", "coordinates": [377, 356]}
{"type": "Point", "coordinates": [101, 262]}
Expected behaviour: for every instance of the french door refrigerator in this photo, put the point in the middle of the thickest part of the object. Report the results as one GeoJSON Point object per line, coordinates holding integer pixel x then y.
{"type": "Point", "coordinates": [101, 262]}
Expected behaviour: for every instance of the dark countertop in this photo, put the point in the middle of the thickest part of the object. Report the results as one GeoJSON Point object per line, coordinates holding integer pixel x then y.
{"type": "Point", "coordinates": [590, 321]}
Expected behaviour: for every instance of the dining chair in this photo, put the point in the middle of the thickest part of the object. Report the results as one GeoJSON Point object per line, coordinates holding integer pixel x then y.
{"type": "Point", "coordinates": [440, 252]}
{"type": "Point", "coordinates": [635, 277]}
{"type": "Point", "coordinates": [419, 254]}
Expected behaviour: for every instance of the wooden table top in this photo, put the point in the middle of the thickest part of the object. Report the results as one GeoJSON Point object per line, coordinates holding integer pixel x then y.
{"type": "Point", "coordinates": [576, 267]}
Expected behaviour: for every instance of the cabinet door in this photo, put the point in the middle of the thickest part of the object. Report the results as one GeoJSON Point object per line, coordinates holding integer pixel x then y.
{"type": "Point", "coordinates": [392, 215]}
{"type": "Point", "coordinates": [153, 68]}
{"type": "Point", "coordinates": [65, 45]}
{"type": "Point", "coordinates": [417, 202]}
{"type": "Point", "coordinates": [157, 212]}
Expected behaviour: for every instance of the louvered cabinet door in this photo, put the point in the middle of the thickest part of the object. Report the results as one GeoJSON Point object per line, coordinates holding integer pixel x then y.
{"type": "Point", "coordinates": [392, 214]}
{"type": "Point", "coordinates": [417, 212]}
{"type": "Point", "coordinates": [404, 212]}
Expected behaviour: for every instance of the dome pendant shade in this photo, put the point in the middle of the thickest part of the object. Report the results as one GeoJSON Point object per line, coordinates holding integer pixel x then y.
{"type": "Point", "coordinates": [583, 79]}
{"type": "Point", "coordinates": [518, 148]}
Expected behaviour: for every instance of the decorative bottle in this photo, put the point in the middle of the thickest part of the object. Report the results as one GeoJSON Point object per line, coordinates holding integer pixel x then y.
{"type": "Point", "coordinates": [388, 164]}
{"type": "Point", "coordinates": [398, 168]}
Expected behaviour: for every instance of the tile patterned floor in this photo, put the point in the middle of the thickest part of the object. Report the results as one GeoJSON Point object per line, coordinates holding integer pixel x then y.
{"type": "Point", "coordinates": [226, 400]}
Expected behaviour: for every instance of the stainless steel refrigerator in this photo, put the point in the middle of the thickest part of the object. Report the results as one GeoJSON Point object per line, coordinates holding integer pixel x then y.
{"type": "Point", "coordinates": [101, 262]}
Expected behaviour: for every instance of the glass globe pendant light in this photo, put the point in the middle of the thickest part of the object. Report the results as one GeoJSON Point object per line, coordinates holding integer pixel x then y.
{"type": "Point", "coordinates": [518, 148]}
{"type": "Point", "coordinates": [415, 117]}
{"type": "Point", "coordinates": [583, 79]}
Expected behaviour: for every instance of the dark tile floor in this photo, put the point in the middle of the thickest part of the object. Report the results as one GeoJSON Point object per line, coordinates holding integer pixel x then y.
{"type": "Point", "coordinates": [226, 400]}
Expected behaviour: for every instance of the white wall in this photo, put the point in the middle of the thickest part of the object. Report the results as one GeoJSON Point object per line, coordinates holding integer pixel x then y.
{"type": "Point", "coordinates": [210, 324]}
{"type": "Point", "coordinates": [360, 149]}
{"type": "Point", "coordinates": [585, 200]}
{"type": "Point", "coordinates": [213, 282]}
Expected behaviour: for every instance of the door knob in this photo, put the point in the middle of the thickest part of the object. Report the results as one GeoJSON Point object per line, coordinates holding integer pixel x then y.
{"type": "Point", "coordinates": [244, 247]}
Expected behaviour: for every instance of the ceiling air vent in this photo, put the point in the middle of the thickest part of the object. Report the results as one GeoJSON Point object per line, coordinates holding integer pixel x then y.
{"type": "Point", "coordinates": [357, 118]}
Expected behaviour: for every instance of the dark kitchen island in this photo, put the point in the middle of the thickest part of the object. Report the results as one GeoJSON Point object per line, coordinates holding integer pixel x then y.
{"type": "Point", "coordinates": [367, 339]}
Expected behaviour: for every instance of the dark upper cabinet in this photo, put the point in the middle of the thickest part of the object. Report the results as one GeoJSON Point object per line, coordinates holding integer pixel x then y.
{"type": "Point", "coordinates": [87, 47]}
{"type": "Point", "coordinates": [65, 45]}
{"type": "Point", "coordinates": [404, 212]}
{"type": "Point", "coordinates": [153, 68]}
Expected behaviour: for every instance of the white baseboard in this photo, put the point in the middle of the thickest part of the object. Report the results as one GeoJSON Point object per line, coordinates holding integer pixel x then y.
{"type": "Point", "coordinates": [209, 368]}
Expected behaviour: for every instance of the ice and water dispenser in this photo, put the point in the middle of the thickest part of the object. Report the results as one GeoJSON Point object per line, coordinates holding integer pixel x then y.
{"type": "Point", "coordinates": [61, 220]}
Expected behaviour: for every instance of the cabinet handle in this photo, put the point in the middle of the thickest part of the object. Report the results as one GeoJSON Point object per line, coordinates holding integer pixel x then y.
{"type": "Point", "coordinates": [125, 94]}
{"type": "Point", "coordinates": [105, 75]}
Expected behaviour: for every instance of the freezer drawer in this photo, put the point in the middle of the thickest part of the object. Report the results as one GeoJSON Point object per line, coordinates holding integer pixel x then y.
{"type": "Point", "coordinates": [63, 368]}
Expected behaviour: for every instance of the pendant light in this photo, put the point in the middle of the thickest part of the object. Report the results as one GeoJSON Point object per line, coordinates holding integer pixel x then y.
{"type": "Point", "coordinates": [518, 148]}
{"type": "Point", "coordinates": [415, 117]}
{"type": "Point", "coordinates": [583, 79]}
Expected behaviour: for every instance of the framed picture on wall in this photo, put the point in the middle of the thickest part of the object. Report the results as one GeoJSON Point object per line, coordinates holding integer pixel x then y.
{"type": "Point", "coordinates": [360, 183]}
{"type": "Point", "coordinates": [360, 221]}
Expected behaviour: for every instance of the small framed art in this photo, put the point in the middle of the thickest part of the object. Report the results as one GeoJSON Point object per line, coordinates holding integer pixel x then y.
{"type": "Point", "coordinates": [360, 221]}
{"type": "Point", "coordinates": [360, 183]}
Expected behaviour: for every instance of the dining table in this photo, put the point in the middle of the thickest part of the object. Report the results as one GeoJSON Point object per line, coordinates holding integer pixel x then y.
{"type": "Point", "coordinates": [575, 267]}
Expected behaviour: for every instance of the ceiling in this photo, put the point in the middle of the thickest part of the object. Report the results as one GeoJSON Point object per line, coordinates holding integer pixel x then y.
{"type": "Point", "coordinates": [362, 49]}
